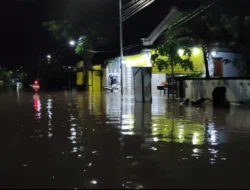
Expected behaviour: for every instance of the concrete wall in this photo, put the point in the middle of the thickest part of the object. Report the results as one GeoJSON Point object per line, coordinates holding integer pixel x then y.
{"type": "Point", "coordinates": [237, 90]}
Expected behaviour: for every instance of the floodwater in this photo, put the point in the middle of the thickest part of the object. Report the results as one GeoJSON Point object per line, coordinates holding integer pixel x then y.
{"type": "Point", "coordinates": [96, 140]}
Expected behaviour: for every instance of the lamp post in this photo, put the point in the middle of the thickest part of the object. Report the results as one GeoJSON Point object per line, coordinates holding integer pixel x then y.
{"type": "Point", "coordinates": [122, 66]}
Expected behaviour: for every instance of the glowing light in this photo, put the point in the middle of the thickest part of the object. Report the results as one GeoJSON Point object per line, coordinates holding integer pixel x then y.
{"type": "Point", "coordinates": [49, 56]}
{"type": "Point", "coordinates": [196, 51]}
{"type": "Point", "coordinates": [213, 137]}
{"type": "Point", "coordinates": [213, 53]}
{"type": "Point", "coordinates": [72, 43]}
{"type": "Point", "coordinates": [155, 139]}
{"type": "Point", "coordinates": [94, 182]}
{"type": "Point", "coordinates": [128, 133]}
{"type": "Point", "coordinates": [127, 127]}
{"type": "Point", "coordinates": [195, 139]}
{"type": "Point", "coordinates": [181, 52]}
{"type": "Point", "coordinates": [37, 104]}
{"type": "Point", "coordinates": [153, 148]}
{"type": "Point", "coordinates": [196, 150]}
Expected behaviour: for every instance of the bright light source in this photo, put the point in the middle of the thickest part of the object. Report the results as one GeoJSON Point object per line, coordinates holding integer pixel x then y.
{"type": "Point", "coordinates": [49, 56]}
{"type": "Point", "coordinates": [36, 82]}
{"type": "Point", "coordinates": [213, 53]}
{"type": "Point", "coordinates": [72, 43]}
{"type": "Point", "coordinates": [94, 182]}
{"type": "Point", "coordinates": [155, 139]}
{"type": "Point", "coordinates": [181, 52]}
{"type": "Point", "coordinates": [196, 51]}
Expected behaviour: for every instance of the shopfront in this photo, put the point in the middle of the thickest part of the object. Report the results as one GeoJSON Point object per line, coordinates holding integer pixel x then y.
{"type": "Point", "coordinates": [159, 78]}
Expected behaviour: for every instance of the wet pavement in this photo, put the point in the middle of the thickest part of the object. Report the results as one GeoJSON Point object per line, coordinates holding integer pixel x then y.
{"type": "Point", "coordinates": [96, 140]}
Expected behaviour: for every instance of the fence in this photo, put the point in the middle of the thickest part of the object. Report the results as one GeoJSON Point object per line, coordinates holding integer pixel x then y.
{"type": "Point", "coordinates": [237, 89]}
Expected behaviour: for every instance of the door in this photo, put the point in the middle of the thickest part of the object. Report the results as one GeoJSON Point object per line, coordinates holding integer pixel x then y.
{"type": "Point", "coordinates": [218, 67]}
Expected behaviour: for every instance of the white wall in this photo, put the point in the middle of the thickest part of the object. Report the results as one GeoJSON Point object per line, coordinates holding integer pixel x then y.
{"type": "Point", "coordinates": [237, 90]}
{"type": "Point", "coordinates": [229, 70]}
{"type": "Point", "coordinates": [157, 79]}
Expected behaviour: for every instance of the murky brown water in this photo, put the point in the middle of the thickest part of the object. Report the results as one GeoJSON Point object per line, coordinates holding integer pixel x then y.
{"type": "Point", "coordinates": [75, 140]}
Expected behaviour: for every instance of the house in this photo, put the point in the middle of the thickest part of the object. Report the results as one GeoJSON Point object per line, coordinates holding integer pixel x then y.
{"type": "Point", "coordinates": [141, 55]}
{"type": "Point", "coordinates": [142, 33]}
{"type": "Point", "coordinates": [226, 61]}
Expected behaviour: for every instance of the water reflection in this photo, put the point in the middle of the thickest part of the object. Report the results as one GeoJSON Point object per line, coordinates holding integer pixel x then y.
{"type": "Point", "coordinates": [100, 140]}
{"type": "Point", "coordinates": [37, 106]}
{"type": "Point", "coordinates": [49, 113]}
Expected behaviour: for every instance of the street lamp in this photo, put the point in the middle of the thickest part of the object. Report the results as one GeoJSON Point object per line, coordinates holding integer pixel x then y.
{"type": "Point", "coordinates": [72, 43]}
{"type": "Point", "coordinates": [49, 56]}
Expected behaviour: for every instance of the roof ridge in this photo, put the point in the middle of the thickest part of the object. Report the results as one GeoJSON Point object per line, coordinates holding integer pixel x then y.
{"type": "Point", "coordinates": [173, 13]}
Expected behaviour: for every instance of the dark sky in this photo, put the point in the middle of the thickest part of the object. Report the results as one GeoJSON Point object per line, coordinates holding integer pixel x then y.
{"type": "Point", "coordinates": [8, 22]}
{"type": "Point", "coordinates": [22, 33]}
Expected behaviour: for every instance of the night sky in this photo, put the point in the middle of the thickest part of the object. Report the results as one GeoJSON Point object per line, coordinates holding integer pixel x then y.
{"type": "Point", "coordinates": [23, 36]}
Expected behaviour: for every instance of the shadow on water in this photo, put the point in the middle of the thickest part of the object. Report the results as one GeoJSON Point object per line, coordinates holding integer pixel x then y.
{"type": "Point", "coordinates": [97, 140]}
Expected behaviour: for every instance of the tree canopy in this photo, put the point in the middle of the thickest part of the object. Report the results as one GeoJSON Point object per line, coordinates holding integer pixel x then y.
{"type": "Point", "coordinates": [5, 75]}
{"type": "Point", "coordinates": [168, 55]}
{"type": "Point", "coordinates": [95, 36]}
{"type": "Point", "coordinates": [215, 27]}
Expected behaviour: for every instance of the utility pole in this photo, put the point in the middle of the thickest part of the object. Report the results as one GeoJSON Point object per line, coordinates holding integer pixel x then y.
{"type": "Point", "coordinates": [121, 48]}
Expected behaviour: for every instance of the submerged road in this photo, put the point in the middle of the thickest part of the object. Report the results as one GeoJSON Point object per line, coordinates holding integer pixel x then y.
{"type": "Point", "coordinates": [97, 140]}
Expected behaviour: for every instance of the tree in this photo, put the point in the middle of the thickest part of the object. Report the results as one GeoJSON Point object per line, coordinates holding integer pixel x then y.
{"type": "Point", "coordinates": [92, 36]}
{"type": "Point", "coordinates": [168, 55]}
{"type": "Point", "coordinates": [5, 75]}
{"type": "Point", "coordinates": [214, 26]}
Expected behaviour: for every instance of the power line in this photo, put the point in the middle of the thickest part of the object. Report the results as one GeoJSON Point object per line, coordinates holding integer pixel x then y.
{"type": "Point", "coordinates": [190, 16]}
{"type": "Point", "coordinates": [135, 7]}
{"type": "Point", "coordinates": [129, 4]}
{"type": "Point", "coordinates": [138, 9]}
{"type": "Point", "coordinates": [129, 47]}
{"type": "Point", "coordinates": [182, 21]}
{"type": "Point", "coordinates": [194, 14]}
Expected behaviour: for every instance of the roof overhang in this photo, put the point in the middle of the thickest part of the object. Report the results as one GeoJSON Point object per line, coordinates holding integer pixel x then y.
{"type": "Point", "coordinates": [172, 15]}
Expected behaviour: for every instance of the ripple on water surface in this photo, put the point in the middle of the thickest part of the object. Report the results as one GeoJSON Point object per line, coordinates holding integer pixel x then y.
{"type": "Point", "coordinates": [97, 140]}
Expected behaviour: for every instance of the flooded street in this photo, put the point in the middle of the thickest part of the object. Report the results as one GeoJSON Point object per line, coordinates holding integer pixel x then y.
{"type": "Point", "coordinates": [96, 140]}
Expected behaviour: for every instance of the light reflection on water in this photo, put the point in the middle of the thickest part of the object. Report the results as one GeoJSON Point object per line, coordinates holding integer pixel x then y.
{"type": "Point", "coordinates": [96, 140]}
